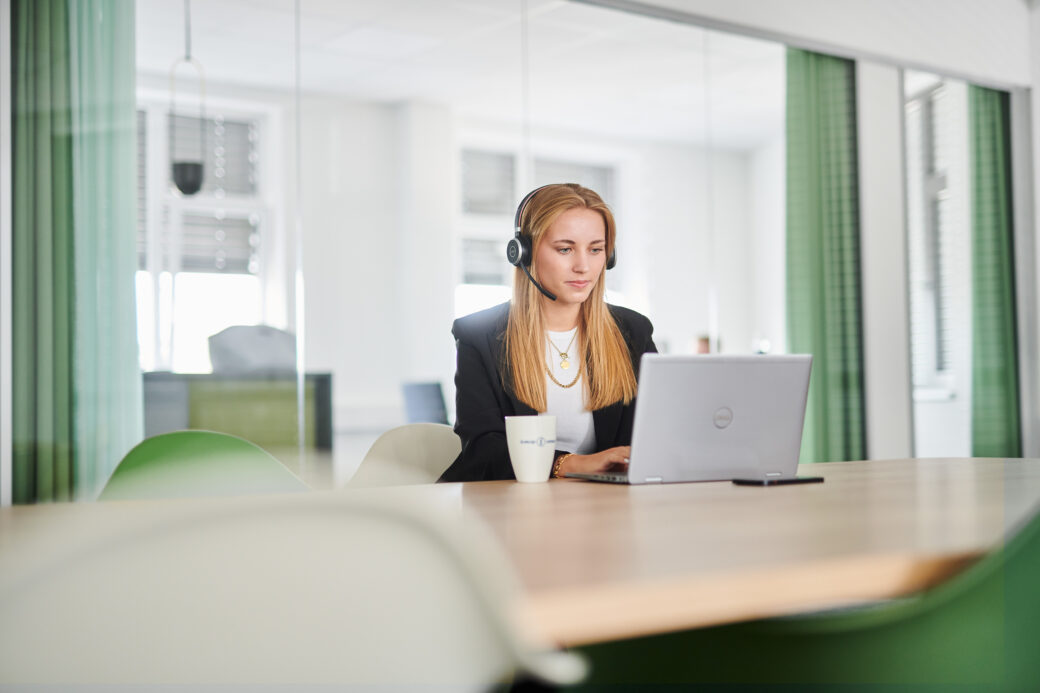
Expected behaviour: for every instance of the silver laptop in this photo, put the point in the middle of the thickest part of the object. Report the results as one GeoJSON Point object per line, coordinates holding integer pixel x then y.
{"type": "Point", "coordinates": [713, 418]}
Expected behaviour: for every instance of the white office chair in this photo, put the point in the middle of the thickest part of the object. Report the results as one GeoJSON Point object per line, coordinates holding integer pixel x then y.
{"type": "Point", "coordinates": [411, 454]}
{"type": "Point", "coordinates": [280, 591]}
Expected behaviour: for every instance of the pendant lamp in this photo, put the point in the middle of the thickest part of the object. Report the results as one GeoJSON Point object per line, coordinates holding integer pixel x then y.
{"type": "Point", "coordinates": [187, 169]}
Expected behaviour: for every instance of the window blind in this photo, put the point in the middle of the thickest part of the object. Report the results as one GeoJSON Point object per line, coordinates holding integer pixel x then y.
{"type": "Point", "coordinates": [206, 241]}
{"type": "Point", "coordinates": [598, 178]}
{"type": "Point", "coordinates": [483, 261]}
{"type": "Point", "coordinates": [215, 243]}
{"type": "Point", "coordinates": [936, 226]}
{"type": "Point", "coordinates": [488, 182]}
{"type": "Point", "coordinates": [229, 150]}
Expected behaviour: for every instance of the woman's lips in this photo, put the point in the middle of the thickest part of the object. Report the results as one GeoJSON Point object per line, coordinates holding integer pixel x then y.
{"type": "Point", "coordinates": [578, 285]}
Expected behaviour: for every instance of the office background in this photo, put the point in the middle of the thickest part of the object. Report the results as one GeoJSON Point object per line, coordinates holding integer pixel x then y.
{"type": "Point", "coordinates": [369, 212]}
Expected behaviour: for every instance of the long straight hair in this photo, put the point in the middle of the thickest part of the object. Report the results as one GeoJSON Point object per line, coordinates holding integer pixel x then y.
{"type": "Point", "coordinates": [608, 376]}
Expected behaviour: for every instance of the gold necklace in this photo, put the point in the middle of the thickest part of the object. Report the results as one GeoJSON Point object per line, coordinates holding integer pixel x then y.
{"type": "Point", "coordinates": [570, 384]}
{"type": "Point", "coordinates": [565, 360]}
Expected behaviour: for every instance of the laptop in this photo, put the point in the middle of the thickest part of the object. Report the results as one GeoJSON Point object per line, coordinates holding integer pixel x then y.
{"type": "Point", "coordinates": [715, 418]}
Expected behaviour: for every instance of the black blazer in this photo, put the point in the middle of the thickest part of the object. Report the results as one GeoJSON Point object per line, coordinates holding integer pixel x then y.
{"type": "Point", "coordinates": [481, 402]}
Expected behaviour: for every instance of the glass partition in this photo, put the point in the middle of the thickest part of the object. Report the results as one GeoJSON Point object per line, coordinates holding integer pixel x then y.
{"type": "Point", "coordinates": [263, 217]}
{"type": "Point", "coordinates": [302, 195]}
{"type": "Point", "coordinates": [216, 292]}
{"type": "Point", "coordinates": [423, 126]}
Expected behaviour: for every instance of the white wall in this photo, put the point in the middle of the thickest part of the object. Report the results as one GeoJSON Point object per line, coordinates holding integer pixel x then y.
{"type": "Point", "coordinates": [352, 255]}
{"type": "Point", "coordinates": [985, 41]}
{"type": "Point", "coordinates": [694, 237]}
{"type": "Point", "coordinates": [379, 191]}
{"type": "Point", "coordinates": [426, 202]}
{"type": "Point", "coordinates": [769, 244]}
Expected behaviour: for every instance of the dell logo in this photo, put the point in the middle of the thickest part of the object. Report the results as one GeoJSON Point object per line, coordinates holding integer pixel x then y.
{"type": "Point", "coordinates": [723, 417]}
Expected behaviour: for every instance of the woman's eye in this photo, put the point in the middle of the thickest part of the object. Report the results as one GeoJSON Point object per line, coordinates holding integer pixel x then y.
{"type": "Point", "coordinates": [597, 250]}
{"type": "Point", "coordinates": [564, 251]}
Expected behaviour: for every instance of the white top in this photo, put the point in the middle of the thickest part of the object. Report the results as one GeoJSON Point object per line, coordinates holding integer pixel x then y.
{"type": "Point", "coordinates": [575, 431]}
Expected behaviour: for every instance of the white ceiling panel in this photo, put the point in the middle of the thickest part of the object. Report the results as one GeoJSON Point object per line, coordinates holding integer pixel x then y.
{"type": "Point", "coordinates": [591, 68]}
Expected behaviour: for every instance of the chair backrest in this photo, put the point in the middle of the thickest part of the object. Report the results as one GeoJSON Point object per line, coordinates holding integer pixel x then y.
{"type": "Point", "coordinates": [410, 454]}
{"type": "Point", "coordinates": [252, 348]}
{"type": "Point", "coordinates": [311, 589]}
{"type": "Point", "coordinates": [424, 403]}
{"type": "Point", "coordinates": [190, 464]}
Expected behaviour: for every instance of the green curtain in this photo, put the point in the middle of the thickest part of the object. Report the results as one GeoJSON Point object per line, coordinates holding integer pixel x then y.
{"type": "Point", "coordinates": [824, 314]}
{"type": "Point", "coordinates": [76, 387]}
{"type": "Point", "coordinates": [995, 421]}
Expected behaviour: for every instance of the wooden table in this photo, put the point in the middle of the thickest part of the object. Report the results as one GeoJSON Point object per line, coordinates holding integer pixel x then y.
{"type": "Point", "coordinates": [598, 562]}
{"type": "Point", "coordinates": [601, 562]}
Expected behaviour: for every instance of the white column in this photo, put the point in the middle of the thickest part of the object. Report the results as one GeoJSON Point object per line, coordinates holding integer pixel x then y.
{"type": "Point", "coordinates": [886, 333]}
{"type": "Point", "coordinates": [425, 281]}
{"type": "Point", "coordinates": [5, 254]}
{"type": "Point", "coordinates": [1025, 126]}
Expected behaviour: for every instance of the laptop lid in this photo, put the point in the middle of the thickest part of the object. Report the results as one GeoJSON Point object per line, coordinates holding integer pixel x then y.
{"type": "Point", "coordinates": [711, 418]}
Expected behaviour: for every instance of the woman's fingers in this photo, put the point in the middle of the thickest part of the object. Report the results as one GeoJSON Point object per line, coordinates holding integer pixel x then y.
{"type": "Point", "coordinates": [615, 459]}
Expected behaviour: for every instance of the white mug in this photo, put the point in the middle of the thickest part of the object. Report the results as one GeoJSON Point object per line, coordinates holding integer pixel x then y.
{"type": "Point", "coordinates": [532, 442]}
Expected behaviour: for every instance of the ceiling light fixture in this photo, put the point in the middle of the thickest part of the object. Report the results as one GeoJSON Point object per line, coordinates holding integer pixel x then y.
{"type": "Point", "coordinates": [187, 174]}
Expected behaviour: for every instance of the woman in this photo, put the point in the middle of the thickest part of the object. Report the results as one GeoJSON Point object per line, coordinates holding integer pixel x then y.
{"type": "Point", "coordinates": [556, 348]}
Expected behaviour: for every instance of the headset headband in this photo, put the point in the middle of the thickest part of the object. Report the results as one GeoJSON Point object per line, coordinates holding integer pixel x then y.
{"type": "Point", "coordinates": [520, 209]}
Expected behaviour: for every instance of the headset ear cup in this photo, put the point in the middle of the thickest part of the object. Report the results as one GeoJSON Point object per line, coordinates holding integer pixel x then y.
{"type": "Point", "coordinates": [513, 252]}
{"type": "Point", "coordinates": [612, 260]}
{"type": "Point", "coordinates": [518, 251]}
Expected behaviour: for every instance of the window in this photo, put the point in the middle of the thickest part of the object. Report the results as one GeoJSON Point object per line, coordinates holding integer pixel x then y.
{"type": "Point", "coordinates": [488, 182]}
{"type": "Point", "coordinates": [200, 257]}
{"type": "Point", "coordinates": [937, 231]}
{"type": "Point", "coordinates": [939, 263]}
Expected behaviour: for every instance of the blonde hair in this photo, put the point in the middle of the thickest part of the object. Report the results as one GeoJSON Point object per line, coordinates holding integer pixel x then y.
{"type": "Point", "coordinates": [608, 376]}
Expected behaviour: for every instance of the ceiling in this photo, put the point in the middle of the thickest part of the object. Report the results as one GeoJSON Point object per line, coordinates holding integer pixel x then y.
{"type": "Point", "coordinates": [596, 70]}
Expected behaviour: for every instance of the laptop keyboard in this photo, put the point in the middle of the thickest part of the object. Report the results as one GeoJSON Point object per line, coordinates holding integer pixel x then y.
{"type": "Point", "coordinates": [609, 477]}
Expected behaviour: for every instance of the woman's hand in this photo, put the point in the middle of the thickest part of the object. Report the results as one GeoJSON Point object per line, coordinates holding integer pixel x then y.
{"type": "Point", "coordinates": [612, 459]}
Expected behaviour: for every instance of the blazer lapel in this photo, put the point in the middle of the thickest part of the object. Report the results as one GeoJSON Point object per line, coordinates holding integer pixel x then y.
{"type": "Point", "coordinates": [606, 421]}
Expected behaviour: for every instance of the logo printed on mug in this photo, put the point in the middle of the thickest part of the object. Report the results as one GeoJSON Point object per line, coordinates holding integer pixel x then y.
{"type": "Point", "coordinates": [541, 442]}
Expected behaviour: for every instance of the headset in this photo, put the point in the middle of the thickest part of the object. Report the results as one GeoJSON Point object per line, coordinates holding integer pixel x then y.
{"type": "Point", "coordinates": [519, 251]}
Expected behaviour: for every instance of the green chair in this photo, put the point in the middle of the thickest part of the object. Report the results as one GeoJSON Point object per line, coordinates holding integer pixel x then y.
{"type": "Point", "coordinates": [190, 464]}
{"type": "Point", "coordinates": [978, 631]}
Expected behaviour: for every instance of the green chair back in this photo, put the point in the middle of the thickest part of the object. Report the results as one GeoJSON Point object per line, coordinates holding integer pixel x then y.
{"type": "Point", "coordinates": [190, 464]}
{"type": "Point", "coordinates": [979, 630]}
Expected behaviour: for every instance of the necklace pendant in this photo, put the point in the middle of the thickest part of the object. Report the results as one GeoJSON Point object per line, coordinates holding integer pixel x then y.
{"type": "Point", "coordinates": [565, 364]}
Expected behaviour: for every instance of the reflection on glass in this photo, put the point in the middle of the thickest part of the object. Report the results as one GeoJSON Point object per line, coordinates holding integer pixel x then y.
{"type": "Point", "coordinates": [411, 143]}
{"type": "Point", "coordinates": [224, 257]}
